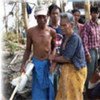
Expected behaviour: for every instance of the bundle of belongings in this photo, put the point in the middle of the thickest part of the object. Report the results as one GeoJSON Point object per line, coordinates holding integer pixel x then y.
{"type": "Point", "coordinates": [94, 84]}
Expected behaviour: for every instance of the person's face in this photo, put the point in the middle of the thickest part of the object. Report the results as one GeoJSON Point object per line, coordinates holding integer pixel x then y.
{"type": "Point", "coordinates": [76, 16]}
{"type": "Point", "coordinates": [94, 15]}
{"type": "Point", "coordinates": [65, 26]}
{"type": "Point", "coordinates": [41, 19]}
{"type": "Point", "coordinates": [55, 15]}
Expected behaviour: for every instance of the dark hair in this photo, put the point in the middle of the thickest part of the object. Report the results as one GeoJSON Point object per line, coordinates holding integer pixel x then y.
{"type": "Point", "coordinates": [82, 19]}
{"type": "Point", "coordinates": [94, 9]}
{"type": "Point", "coordinates": [53, 6]}
{"type": "Point", "coordinates": [75, 10]}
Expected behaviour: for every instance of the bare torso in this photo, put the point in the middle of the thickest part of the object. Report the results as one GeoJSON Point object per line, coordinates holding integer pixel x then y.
{"type": "Point", "coordinates": [41, 41]}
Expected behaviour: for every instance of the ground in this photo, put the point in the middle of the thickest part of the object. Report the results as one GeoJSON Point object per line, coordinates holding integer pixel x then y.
{"type": "Point", "coordinates": [11, 71]}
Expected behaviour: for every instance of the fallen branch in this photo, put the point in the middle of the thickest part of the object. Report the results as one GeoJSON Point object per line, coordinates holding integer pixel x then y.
{"type": "Point", "coordinates": [13, 60]}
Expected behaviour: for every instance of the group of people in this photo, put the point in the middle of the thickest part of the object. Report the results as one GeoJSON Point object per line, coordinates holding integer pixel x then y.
{"type": "Point", "coordinates": [76, 59]}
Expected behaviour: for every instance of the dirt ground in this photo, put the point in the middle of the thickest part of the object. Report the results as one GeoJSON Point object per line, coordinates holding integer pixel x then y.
{"type": "Point", "coordinates": [11, 71]}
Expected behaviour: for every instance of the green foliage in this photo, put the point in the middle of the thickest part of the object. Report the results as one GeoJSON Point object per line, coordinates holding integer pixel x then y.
{"type": "Point", "coordinates": [12, 41]}
{"type": "Point", "coordinates": [12, 47]}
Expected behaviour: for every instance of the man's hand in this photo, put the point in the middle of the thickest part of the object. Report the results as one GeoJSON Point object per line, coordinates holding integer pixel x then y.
{"type": "Point", "coordinates": [88, 58]}
{"type": "Point", "coordinates": [52, 67]}
{"type": "Point", "coordinates": [23, 69]}
{"type": "Point", "coordinates": [53, 58]}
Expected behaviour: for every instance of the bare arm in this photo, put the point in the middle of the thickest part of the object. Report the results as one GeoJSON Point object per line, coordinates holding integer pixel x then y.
{"type": "Point", "coordinates": [53, 52]}
{"type": "Point", "coordinates": [27, 51]}
{"type": "Point", "coordinates": [61, 59]}
{"type": "Point", "coordinates": [53, 42]}
{"type": "Point", "coordinates": [58, 59]}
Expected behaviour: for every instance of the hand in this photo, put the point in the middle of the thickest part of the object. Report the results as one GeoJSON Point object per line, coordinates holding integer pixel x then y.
{"type": "Point", "coordinates": [23, 69]}
{"type": "Point", "coordinates": [88, 58]}
{"type": "Point", "coordinates": [51, 57]}
{"type": "Point", "coordinates": [52, 67]}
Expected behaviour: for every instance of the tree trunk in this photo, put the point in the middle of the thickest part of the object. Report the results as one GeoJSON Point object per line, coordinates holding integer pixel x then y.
{"type": "Point", "coordinates": [87, 9]}
{"type": "Point", "coordinates": [25, 16]}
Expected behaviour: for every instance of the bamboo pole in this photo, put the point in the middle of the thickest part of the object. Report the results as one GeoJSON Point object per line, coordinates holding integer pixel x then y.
{"type": "Point", "coordinates": [14, 92]}
{"type": "Point", "coordinates": [24, 14]}
{"type": "Point", "coordinates": [87, 9]}
{"type": "Point", "coordinates": [63, 4]}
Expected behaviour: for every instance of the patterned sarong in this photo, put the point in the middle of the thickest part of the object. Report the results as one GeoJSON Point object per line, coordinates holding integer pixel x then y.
{"type": "Point", "coordinates": [71, 83]}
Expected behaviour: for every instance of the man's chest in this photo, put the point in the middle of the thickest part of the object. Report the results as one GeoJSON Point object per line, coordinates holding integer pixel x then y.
{"type": "Point", "coordinates": [41, 38]}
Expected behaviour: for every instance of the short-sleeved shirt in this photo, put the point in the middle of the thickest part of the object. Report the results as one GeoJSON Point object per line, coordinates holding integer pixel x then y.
{"type": "Point", "coordinates": [74, 51]}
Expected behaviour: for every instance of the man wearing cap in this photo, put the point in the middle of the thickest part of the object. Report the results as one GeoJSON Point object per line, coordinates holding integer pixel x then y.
{"type": "Point", "coordinates": [42, 38]}
{"type": "Point", "coordinates": [91, 41]}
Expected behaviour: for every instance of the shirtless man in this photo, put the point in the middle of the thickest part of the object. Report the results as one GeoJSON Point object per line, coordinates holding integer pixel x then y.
{"type": "Point", "coordinates": [41, 37]}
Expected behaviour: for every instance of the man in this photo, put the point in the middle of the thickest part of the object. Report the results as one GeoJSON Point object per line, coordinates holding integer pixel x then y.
{"type": "Point", "coordinates": [91, 42]}
{"type": "Point", "coordinates": [40, 37]}
{"type": "Point", "coordinates": [54, 13]}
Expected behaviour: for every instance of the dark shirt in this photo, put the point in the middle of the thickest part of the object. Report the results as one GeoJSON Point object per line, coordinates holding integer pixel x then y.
{"type": "Point", "coordinates": [58, 29]}
{"type": "Point", "coordinates": [74, 51]}
{"type": "Point", "coordinates": [58, 38]}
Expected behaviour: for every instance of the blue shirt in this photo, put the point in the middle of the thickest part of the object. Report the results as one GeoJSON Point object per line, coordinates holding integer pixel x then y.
{"type": "Point", "coordinates": [59, 32]}
{"type": "Point", "coordinates": [74, 51]}
{"type": "Point", "coordinates": [58, 29]}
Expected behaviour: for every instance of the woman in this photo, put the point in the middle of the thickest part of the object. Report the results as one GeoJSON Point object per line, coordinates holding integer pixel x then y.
{"type": "Point", "coordinates": [78, 27]}
{"type": "Point", "coordinates": [72, 60]}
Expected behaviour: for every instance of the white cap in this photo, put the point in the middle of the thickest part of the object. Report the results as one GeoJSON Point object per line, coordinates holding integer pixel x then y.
{"type": "Point", "coordinates": [41, 10]}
